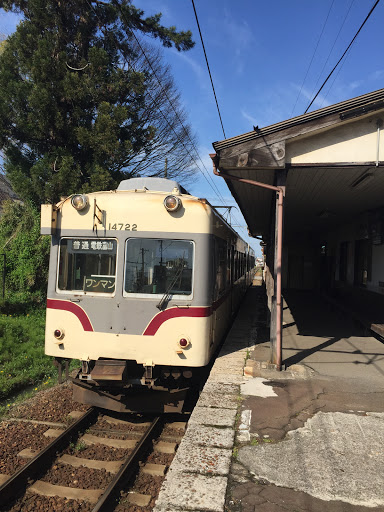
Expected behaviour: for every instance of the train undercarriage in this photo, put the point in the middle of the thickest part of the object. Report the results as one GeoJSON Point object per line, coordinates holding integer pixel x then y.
{"type": "Point", "coordinates": [125, 386]}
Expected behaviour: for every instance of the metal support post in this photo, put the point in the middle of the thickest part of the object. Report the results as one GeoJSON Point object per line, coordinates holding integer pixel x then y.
{"type": "Point", "coordinates": [280, 191]}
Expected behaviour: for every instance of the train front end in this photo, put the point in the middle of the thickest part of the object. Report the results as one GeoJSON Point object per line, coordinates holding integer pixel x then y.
{"type": "Point", "coordinates": [130, 293]}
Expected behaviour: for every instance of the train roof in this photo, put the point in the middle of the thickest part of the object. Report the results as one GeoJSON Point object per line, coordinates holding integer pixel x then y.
{"type": "Point", "coordinates": [199, 215]}
{"type": "Point", "coordinates": [165, 185]}
{"type": "Point", "coordinates": [153, 184]}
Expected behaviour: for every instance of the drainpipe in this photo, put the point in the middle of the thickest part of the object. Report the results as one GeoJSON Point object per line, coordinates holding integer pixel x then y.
{"type": "Point", "coordinates": [280, 193]}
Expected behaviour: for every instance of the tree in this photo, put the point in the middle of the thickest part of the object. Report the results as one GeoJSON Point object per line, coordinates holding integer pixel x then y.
{"type": "Point", "coordinates": [172, 144]}
{"type": "Point", "coordinates": [80, 107]}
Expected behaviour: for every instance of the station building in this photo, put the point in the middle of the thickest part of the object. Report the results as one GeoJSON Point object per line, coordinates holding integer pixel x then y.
{"type": "Point", "coordinates": [312, 189]}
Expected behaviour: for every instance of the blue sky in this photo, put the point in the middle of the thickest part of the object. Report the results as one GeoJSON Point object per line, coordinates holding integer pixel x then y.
{"type": "Point", "coordinates": [259, 54]}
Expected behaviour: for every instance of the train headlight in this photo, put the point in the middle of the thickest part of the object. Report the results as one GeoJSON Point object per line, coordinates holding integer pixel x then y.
{"type": "Point", "coordinates": [79, 201]}
{"type": "Point", "coordinates": [58, 334]}
{"type": "Point", "coordinates": [172, 203]}
{"type": "Point", "coordinates": [184, 342]}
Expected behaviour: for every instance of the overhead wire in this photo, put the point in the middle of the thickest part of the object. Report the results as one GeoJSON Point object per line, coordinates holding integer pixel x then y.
{"type": "Point", "coordinates": [205, 174]}
{"type": "Point", "coordinates": [334, 80]}
{"type": "Point", "coordinates": [209, 70]}
{"type": "Point", "coordinates": [203, 171]}
{"type": "Point", "coordinates": [338, 62]}
{"type": "Point", "coordinates": [313, 55]}
{"type": "Point", "coordinates": [213, 88]}
{"type": "Point", "coordinates": [210, 183]}
{"type": "Point", "coordinates": [178, 117]}
{"type": "Point", "coordinates": [331, 50]}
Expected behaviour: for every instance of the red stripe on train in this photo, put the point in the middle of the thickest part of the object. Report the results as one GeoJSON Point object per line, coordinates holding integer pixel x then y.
{"type": "Point", "coordinates": [190, 312]}
{"type": "Point", "coordinates": [162, 317]}
{"type": "Point", "coordinates": [66, 305]}
{"type": "Point", "coordinates": [154, 324]}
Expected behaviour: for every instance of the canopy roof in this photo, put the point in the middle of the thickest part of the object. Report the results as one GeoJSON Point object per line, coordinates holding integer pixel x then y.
{"type": "Point", "coordinates": [333, 162]}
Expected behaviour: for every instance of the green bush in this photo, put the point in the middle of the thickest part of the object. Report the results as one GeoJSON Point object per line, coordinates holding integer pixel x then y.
{"type": "Point", "coordinates": [22, 358]}
{"type": "Point", "coordinates": [27, 257]}
{"type": "Point", "coordinates": [22, 312]}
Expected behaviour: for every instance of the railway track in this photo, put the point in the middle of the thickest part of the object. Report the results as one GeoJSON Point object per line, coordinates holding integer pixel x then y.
{"type": "Point", "coordinates": [130, 449]}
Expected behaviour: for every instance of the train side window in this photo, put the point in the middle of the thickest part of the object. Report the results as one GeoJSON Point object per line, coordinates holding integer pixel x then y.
{"type": "Point", "coordinates": [222, 267]}
{"type": "Point", "coordinates": [87, 265]}
{"type": "Point", "coordinates": [158, 266]}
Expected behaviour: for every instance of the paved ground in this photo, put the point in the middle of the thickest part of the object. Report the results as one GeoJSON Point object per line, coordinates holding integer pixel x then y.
{"type": "Point", "coordinates": [308, 439]}
{"type": "Point", "coordinates": [318, 437]}
{"type": "Point", "coordinates": [318, 444]}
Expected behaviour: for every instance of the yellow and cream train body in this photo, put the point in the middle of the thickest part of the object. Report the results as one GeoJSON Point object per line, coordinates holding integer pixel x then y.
{"type": "Point", "coordinates": [143, 283]}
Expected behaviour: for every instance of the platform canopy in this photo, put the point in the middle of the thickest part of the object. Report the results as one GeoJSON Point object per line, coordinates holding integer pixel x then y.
{"type": "Point", "coordinates": [331, 159]}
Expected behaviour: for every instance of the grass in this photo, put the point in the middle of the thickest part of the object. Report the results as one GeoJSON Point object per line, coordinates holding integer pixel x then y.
{"type": "Point", "coordinates": [78, 447]}
{"type": "Point", "coordinates": [23, 363]}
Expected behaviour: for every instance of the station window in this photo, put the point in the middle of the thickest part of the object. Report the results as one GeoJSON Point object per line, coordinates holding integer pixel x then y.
{"type": "Point", "coordinates": [87, 265]}
{"type": "Point", "coordinates": [158, 266]}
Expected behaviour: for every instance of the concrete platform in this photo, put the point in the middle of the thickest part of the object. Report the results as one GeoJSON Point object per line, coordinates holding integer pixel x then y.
{"type": "Point", "coordinates": [307, 439]}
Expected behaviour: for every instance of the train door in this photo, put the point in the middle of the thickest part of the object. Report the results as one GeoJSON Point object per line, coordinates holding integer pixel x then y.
{"type": "Point", "coordinates": [231, 274]}
{"type": "Point", "coordinates": [220, 288]}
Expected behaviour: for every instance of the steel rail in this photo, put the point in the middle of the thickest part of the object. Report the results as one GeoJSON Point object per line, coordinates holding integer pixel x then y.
{"type": "Point", "coordinates": [41, 462]}
{"type": "Point", "coordinates": [107, 502]}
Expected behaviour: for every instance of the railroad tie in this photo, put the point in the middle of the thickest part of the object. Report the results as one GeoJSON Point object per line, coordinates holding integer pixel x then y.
{"type": "Point", "coordinates": [140, 500]}
{"type": "Point", "coordinates": [4, 478]}
{"type": "Point", "coordinates": [154, 469]}
{"type": "Point", "coordinates": [171, 438]}
{"type": "Point", "coordinates": [27, 453]}
{"type": "Point", "coordinates": [90, 440]}
{"type": "Point", "coordinates": [116, 421]}
{"type": "Point", "coordinates": [47, 489]}
{"type": "Point", "coordinates": [53, 432]}
{"type": "Point", "coordinates": [164, 447]}
{"type": "Point", "coordinates": [38, 422]}
{"type": "Point", "coordinates": [110, 466]}
{"type": "Point", "coordinates": [75, 415]}
{"type": "Point", "coordinates": [179, 425]}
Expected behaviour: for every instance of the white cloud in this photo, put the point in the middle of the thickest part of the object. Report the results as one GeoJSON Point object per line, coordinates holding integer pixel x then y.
{"type": "Point", "coordinates": [238, 37]}
{"type": "Point", "coordinates": [320, 100]}
{"type": "Point", "coordinates": [207, 186]}
{"type": "Point", "coordinates": [355, 85]}
{"type": "Point", "coordinates": [239, 33]}
{"type": "Point", "coordinates": [271, 106]}
{"type": "Point", "coordinates": [376, 75]}
{"type": "Point", "coordinates": [199, 71]}
{"type": "Point", "coordinates": [252, 120]}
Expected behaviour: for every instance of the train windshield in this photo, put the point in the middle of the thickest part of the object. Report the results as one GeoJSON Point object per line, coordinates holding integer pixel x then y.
{"type": "Point", "coordinates": [87, 265]}
{"type": "Point", "coordinates": [158, 266]}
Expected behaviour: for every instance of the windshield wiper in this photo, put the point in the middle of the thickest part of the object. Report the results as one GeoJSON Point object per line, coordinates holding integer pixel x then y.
{"type": "Point", "coordinates": [167, 294]}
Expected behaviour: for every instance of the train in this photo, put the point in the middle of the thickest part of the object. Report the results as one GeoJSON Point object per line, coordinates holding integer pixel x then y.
{"type": "Point", "coordinates": [143, 284]}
